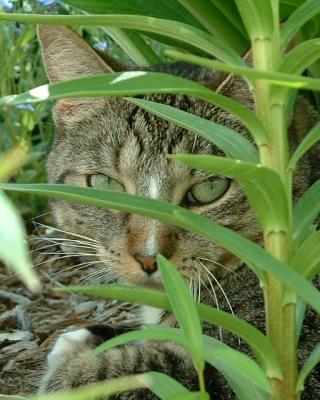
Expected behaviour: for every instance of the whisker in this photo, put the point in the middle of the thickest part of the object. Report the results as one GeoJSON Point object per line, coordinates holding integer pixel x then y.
{"type": "Point", "coordinates": [217, 263]}
{"type": "Point", "coordinates": [76, 266]}
{"type": "Point", "coordinates": [63, 231]}
{"type": "Point", "coordinates": [222, 290]}
{"type": "Point", "coordinates": [214, 298]}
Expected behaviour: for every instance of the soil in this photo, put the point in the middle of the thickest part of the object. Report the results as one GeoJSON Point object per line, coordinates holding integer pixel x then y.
{"type": "Point", "coordinates": [30, 323]}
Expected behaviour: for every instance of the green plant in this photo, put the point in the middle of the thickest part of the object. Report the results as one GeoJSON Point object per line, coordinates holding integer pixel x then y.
{"type": "Point", "coordinates": [288, 261]}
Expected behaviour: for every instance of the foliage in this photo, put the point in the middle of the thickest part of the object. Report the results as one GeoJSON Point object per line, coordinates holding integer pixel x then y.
{"type": "Point", "coordinates": [283, 266]}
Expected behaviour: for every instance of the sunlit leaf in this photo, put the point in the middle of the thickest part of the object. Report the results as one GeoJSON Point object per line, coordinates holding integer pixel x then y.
{"type": "Point", "coordinates": [262, 348]}
{"type": "Point", "coordinates": [311, 362]}
{"type": "Point", "coordinates": [13, 247]}
{"type": "Point", "coordinates": [216, 23]}
{"type": "Point", "coordinates": [184, 309]}
{"type": "Point", "coordinates": [252, 254]}
{"type": "Point", "coordinates": [136, 83]}
{"type": "Point", "coordinates": [162, 385]}
{"type": "Point", "coordinates": [257, 17]}
{"type": "Point", "coordinates": [262, 185]}
{"type": "Point", "coordinates": [231, 142]}
{"type": "Point", "coordinates": [297, 19]}
{"type": "Point", "coordinates": [306, 211]}
{"type": "Point", "coordinates": [306, 260]}
{"type": "Point", "coordinates": [309, 140]}
{"type": "Point", "coordinates": [230, 362]}
{"type": "Point", "coordinates": [173, 29]}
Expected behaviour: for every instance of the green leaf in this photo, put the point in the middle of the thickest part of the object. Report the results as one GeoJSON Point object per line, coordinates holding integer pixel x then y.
{"type": "Point", "coordinates": [137, 83]}
{"type": "Point", "coordinates": [242, 373]}
{"type": "Point", "coordinates": [13, 248]}
{"type": "Point", "coordinates": [166, 9]}
{"type": "Point", "coordinates": [297, 19]}
{"type": "Point", "coordinates": [172, 29]}
{"type": "Point", "coordinates": [149, 332]}
{"type": "Point", "coordinates": [311, 362]}
{"type": "Point", "coordinates": [301, 57]}
{"type": "Point", "coordinates": [300, 313]}
{"type": "Point", "coordinates": [309, 140]}
{"type": "Point", "coordinates": [261, 346]}
{"type": "Point", "coordinates": [162, 385]}
{"type": "Point", "coordinates": [249, 252]}
{"type": "Point", "coordinates": [257, 17]}
{"type": "Point", "coordinates": [134, 45]}
{"type": "Point", "coordinates": [93, 391]}
{"type": "Point", "coordinates": [230, 11]}
{"type": "Point", "coordinates": [305, 212]}
{"type": "Point", "coordinates": [184, 309]}
{"type": "Point", "coordinates": [276, 78]}
{"type": "Point", "coordinates": [306, 260]}
{"type": "Point", "coordinates": [217, 24]}
{"type": "Point", "coordinates": [262, 185]}
{"type": "Point", "coordinates": [230, 362]}
{"type": "Point", "coordinates": [231, 142]}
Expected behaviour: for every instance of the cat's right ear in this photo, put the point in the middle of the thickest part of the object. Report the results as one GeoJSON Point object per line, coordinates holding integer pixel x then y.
{"type": "Point", "coordinates": [66, 55]}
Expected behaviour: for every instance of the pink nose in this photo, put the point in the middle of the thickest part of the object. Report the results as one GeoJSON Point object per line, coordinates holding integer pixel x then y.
{"type": "Point", "coordinates": [147, 263]}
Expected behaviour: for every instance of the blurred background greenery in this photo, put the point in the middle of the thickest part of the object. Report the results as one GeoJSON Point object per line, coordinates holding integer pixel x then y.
{"type": "Point", "coordinates": [21, 69]}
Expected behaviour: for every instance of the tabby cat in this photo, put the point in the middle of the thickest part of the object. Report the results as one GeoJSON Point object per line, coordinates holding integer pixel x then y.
{"type": "Point", "coordinates": [109, 143]}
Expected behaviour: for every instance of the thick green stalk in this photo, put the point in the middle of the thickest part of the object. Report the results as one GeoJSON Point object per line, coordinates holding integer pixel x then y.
{"type": "Point", "coordinates": [280, 318]}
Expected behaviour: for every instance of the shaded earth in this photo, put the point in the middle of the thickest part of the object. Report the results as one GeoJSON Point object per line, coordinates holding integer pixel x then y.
{"type": "Point", "coordinates": [29, 323]}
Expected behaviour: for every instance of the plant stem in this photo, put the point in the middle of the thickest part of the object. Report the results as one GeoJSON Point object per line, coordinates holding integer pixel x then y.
{"type": "Point", "coordinates": [280, 318]}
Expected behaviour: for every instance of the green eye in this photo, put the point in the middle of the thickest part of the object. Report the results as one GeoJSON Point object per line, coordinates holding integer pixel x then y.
{"type": "Point", "coordinates": [100, 181]}
{"type": "Point", "coordinates": [208, 191]}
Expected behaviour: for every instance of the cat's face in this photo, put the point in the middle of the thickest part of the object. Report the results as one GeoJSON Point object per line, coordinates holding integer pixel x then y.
{"type": "Point", "coordinates": [109, 143]}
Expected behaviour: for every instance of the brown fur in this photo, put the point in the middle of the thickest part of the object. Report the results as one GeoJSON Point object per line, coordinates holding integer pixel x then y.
{"type": "Point", "coordinates": [118, 139]}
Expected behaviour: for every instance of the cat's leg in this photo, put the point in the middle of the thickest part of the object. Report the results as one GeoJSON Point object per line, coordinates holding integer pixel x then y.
{"type": "Point", "coordinates": [70, 366]}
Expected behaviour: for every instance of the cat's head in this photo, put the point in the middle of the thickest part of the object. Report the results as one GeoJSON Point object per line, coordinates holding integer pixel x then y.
{"type": "Point", "coordinates": [109, 143]}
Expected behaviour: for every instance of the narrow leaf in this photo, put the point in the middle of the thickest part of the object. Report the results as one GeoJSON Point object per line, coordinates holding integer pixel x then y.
{"type": "Point", "coordinates": [166, 9]}
{"type": "Point", "coordinates": [309, 140]}
{"type": "Point", "coordinates": [173, 29]}
{"type": "Point", "coordinates": [249, 252]}
{"type": "Point", "coordinates": [162, 385]}
{"type": "Point", "coordinates": [297, 19]}
{"type": "Point", "coordinates": [184, 309]}
{"type": "Point", "coordinates": [228, 361]}
{"type": "Point", "coordinates": [261, 346]}
{"type": "Point", "coordinates": [306, 211]}
{"type": "Point", "coordinates": [137, 83]}
{"type": "Point", "coordinates": [257, 18]}
{"type": "Point", "coordinates": [97, 390]}
{"type": "Point", "coordinates": [306, 260]}
{"type": "Point", "coordinates": [134, 45]}
{"type": "Point", "coordinates": [262, 185]}
{"type": "Point", "coordinates": [282, 79]}
{"type": "Point", "coordinates": [311, 362]}
{"type": "Point", "coordinates": [13, 247]}
{"type": "Point", "coordinates": [217, 24]}
{"type": "Point", "coordinates": [301, 57]}
{"type": "Point", "coordinates": [231, 142]}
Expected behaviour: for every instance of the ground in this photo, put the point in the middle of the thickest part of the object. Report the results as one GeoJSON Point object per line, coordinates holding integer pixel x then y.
{"type": "Point", "coordinates": [30, 323]}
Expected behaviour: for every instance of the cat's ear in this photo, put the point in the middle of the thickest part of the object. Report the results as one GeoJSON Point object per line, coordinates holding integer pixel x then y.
{"type": "Point", "coordinates": [66, 55]}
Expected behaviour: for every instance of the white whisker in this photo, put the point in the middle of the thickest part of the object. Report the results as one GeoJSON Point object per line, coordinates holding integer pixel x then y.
{"type": "Point", "coordinates": [216, 263]}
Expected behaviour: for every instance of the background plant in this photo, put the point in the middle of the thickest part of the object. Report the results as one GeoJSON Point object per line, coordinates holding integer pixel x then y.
{"type": "Point", "coordinates": [197, 32]}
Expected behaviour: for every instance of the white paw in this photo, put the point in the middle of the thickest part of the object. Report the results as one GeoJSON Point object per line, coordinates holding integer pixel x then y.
{"type": "Point", "coordinates": [68, 343]}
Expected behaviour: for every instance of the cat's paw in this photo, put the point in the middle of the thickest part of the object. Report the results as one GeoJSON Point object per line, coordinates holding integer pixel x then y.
{"type": "Point", "coordinates": [70, 343]}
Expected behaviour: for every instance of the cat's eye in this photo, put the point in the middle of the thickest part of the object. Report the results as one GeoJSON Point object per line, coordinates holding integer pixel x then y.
{"type": "Point", "coordinates": [208, 191]}
{"type": "Point", "coordinates": [100, 181]}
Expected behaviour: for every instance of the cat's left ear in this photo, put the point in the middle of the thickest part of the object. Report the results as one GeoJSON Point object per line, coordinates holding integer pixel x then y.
{"type": "Point", "coordinates": [67, 56]}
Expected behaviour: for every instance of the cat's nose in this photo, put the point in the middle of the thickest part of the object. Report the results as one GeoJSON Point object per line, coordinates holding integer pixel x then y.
{"type": "Point", "coordinates": [147, 263]}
